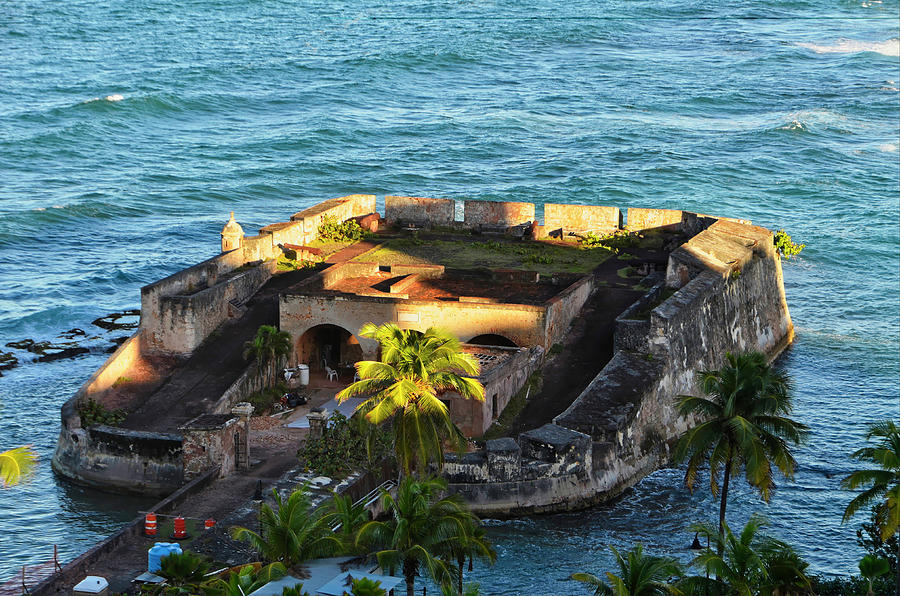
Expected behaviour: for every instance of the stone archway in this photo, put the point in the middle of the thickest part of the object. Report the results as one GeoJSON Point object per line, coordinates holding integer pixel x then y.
{"type": "Point", "coordinates": [492, 339]}
{"type": "Point", "coordinates": [328, 344]}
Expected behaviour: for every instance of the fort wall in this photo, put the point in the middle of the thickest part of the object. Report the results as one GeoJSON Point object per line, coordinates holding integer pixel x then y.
{"type": "Point", "coordinates": [729, 297]}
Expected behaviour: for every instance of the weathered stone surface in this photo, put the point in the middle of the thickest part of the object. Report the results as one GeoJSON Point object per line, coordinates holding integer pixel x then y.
{"type": "Point", "coordinates": [496, 213]}
{"type": "Point", "coordinates": [419, 211]}
{"type": "Point", "coordinates": [581, 218]}
{"type": "Point", "coordinates": [8, 360]}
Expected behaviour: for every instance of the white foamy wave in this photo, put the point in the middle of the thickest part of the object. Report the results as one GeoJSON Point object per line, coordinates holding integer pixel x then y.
{"type": "Point", "coordinates": [807, 120]}
{"type": "Point", "coordinates": [888, 147]}
{"type": "Point", "coordinates": [890, 47]}
{"type": "Point", "coordinates": [113, 97]}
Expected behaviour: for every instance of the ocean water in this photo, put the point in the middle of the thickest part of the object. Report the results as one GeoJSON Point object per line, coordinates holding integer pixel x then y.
{"type": "Point", "coordinates": [129, 130]}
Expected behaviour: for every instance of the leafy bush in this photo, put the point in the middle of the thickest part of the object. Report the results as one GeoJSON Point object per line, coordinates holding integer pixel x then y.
{"type": "Point", "coordinates": [347, 444]}
{"type": "Point", "coordinates": [262, 400]}
{"type": "Point", "coordinates": [785, 246]}
{"type": "Point", "coordinates": [93, 413]}
{"type": "Point", "coordinates": [283, 263]}
{"type": "Point", "coordinates": [614, 241]}
{"type": "Point", "coordinates": [337, 231]}
{"type": "Point", "coordinates": [851, 586]}
{"type": "Point", "coordinates": [367, 587]}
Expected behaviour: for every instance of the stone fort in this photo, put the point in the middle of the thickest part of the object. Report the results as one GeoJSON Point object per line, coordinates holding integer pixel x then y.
{"type": "Point", "coordinates": [699, 286]}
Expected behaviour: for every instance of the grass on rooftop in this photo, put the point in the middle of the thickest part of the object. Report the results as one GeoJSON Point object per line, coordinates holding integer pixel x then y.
{"type": "Point", "coordinates": [543, 257]}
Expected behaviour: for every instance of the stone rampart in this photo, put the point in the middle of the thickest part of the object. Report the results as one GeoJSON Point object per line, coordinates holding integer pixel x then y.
{"type": "Point", "coordinates": [120, 459]}
{"type": "Point", "coordinates": [419, 211]}
{"type": "Point", "coordinates": [581, 218]}
{"type": "Point", "coordinates": [564, 307]}
{"type": "Point", "coordinates": [730, 297]}
{"type": "Point", "coordinates": [497, 213]}
{"type": "Point", "coordinates": [178, 323]}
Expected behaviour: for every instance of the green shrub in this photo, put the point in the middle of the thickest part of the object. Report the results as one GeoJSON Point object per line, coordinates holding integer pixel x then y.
{"type": "Point", "coordinates": [785, 246]}
{"type": "Point", "coordinates": [283, 263]}
{"type": "Point", "coordinates": [347, 444]}
{"type": "Point", "coordinates": [614, 241]}
{"type": "Point", "coordinates": [262, 400]}
{"type": "Point", "coordinates": [337, 231]}
{"type": "Point", "coordinates": [93, 413]}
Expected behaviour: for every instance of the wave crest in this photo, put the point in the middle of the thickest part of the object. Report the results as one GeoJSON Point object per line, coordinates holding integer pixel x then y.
{"type": "Point", "coordinates": [890, 47]}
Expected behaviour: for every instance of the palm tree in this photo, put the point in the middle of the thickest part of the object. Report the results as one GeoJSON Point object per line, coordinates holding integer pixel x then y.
{"type": "Point", "coordinates": [183, 572]}
{"type": "Point", "coordinates": [405, 387]}
{"type": "Point", "coordinates": [419, 527]}
{"type": "Point", "coordinates": [16, 464]}
{"type": "Point", "coordinates": [271, 348]}
{"type": "Point", "coordinates": [747, 564]}
{"type": "Point", "coordinates": [883, 481]}
{"type": "Point", "coordinates": [743, 424]}
{"type": "Point", "coordinates": [470, 545]}
{"type": "Point", "coordinates": [246, 580]}
{"type": "Point", "coordinates": [871, 568]}
{"type": "Point", "coordinates": [294, 533]}
{"type": "Point", "coordinates": [345, 519]}
{"type": "Point", "coordinates": [639, 575]}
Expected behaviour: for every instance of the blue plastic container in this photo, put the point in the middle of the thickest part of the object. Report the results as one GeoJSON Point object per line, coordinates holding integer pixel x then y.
{"type": "Point", "coordinates": [158, 551]}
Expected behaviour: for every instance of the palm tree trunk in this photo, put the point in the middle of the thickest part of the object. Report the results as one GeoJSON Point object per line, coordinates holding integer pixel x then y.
{"type": "Point", "coordinates": [409, 571]}
{"type": "Point", "coordinates": [722, 504]}
{"type": "Point", "coordinates": [461, 561]}
{"type": "Point", "coordinates": [898, 569]}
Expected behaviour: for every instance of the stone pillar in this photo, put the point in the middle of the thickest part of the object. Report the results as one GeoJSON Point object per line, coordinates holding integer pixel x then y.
{"type": "Point", "coordinates": [232, 235]}
{"type": "Point", "coordinates": [317, 417]}
{"type": "Point", "coordinates": [243, 410]}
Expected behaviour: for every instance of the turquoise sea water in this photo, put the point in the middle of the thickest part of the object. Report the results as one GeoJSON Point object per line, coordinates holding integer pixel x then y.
{"type": "Point", "coordinates": [782, 112]}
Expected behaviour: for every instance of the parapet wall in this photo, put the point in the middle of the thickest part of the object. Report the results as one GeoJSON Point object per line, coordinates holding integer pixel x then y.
{"type": "Point", "coordinates": [419, 211]}
{"type": "Point", "coordinates": [497, 213]}
{"type": "Point", "coordinates": [729, 298]}
{"type": "Point", "coordinates": [581, 219]}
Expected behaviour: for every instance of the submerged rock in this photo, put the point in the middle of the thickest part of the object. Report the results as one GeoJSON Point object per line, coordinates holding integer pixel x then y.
{"type": "Point", "coordinates": [8, 360]}
{"type": "Point", "coordinates": [111, 321]}
{"type": "Point", "coordinates": [57, 353]}
{"type": "Point", "coordinates": [22, 344]}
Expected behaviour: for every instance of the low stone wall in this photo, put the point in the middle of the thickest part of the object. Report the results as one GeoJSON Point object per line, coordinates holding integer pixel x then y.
{"type": "Point", "coordinates": [581, 218]}
{"type": "Point", "coordinates": [564, 307]}
{"type": "Point", "coordinates": [124, 359]}
{"type": "Point", "coordinates": [419, 211]}
{"type": "Point", "coordinates": [76, 570]}
{"type": "Point", "coordinates": [497, 213]}
{"type": "Point", "coordinates": [120, 459]}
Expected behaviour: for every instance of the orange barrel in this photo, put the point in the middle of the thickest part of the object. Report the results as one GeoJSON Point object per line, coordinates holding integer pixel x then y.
{"type": "Point", "coordinates": [180, 530]}
{"type": "Point", "coordinates": [209, 524]}
{"type": "Point", "coordinates": [150, 524]}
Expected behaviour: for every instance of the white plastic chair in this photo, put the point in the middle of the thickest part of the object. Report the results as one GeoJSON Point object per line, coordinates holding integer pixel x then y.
{"type": "Point", "coordinates": [332, 374]}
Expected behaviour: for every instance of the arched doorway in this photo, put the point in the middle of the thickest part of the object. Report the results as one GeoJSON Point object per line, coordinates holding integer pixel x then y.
{"type": "Point", "coordinates": [492, 339]}
{"type": "Point", "coordinates": [328, 345]}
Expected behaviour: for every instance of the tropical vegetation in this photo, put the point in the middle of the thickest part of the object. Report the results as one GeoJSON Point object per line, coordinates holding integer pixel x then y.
{"type": "Point", "coordinates": [743, 424]}
{"type": "Point", "coordinates": [785, 245]}
{"type": "Point", "coordinates": [419, 527]}
{"type": "Point", "coordinates": [638, 575]}
{"type": "Point", "coordinates": [16, 464]}
{"type": "Point", "coordinates": [405, 386]}
{"type": "Point", "coordinates": [346, 445]}
{"type": "Point", "coordinates": [270, 348]}
{"type": "Point", "coordinates": [882, 482]}
{"type": "Point", "coordinates": [293, 532]}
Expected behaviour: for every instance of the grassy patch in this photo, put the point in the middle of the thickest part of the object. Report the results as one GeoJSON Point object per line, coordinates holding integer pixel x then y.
{"type": "Point", "coordinates": [626, 272]}
{"type": "Point", "coordinates": [516, 404]}
{"type": "Point", "coordinates": [329, 247]}
{"type": "Point", "coordinates": [542, 257]}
